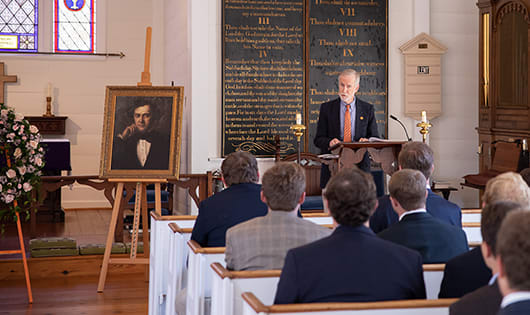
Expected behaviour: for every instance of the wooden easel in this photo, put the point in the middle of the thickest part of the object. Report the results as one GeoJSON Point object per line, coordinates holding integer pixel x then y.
{"type": "Point", "coordinates": [140, 207]}
{"type": "Point", "coordinates": [22, 249]}
{"type": "Point", "coordinates": [140, 202]}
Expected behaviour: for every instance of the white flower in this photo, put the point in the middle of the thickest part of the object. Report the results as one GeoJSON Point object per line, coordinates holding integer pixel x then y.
{"type": "Point", "coordinates": [21, 170]}
{"type": "Point", "coordinates": [33, 144]}
{"type": "Point", "coordinates": [33, 129]}
{"type": "Point", "coordinates": [4, 112]}
{"type": "Point", "coordinates": [27, 187]}
{"type": "Point", "coordinates": [18, 153]}
{"type": "Point", "coordinates": [19, 117]}
{"type": "Point", "coordinates": [9, 198]}
{"type": "Point", "coordinates": [11, 135]}
{"type": "Point", "coordinates": [11, 173]}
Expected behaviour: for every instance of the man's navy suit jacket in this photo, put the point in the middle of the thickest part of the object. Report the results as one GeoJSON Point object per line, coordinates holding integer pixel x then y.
{"type": "Point", "coordinates": [517, 308]}
{"type": "Point", "coordinates": [463, 274]}
{"type": "Point", "coordinates": [350, 265]}
{"type": "Point", "coordinates": [225, 209]}
{"type": "Point", "coordinates": [436, 241]}
{"type": "Point", "coordinates": [328, 127]}
{"type": "Point", "coordinates": [442, 209]}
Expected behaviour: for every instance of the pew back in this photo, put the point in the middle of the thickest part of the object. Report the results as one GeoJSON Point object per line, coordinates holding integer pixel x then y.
{"type": "Point", "coordinates": [254, 306]}
{"type": "Point", "coordinates": [472, 230]}
{"type": "Point", "coordinates": [199, 289]}
{"type": "Point", "coordinates": [159, 257]}
{"type": "Point", "coordinates": [471, 215]}
{"type": "Point", "coordinates": [433, 275]}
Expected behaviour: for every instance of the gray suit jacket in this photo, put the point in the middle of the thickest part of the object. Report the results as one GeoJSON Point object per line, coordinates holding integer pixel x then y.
{"type": "Point", "coordinates": [263, 242]}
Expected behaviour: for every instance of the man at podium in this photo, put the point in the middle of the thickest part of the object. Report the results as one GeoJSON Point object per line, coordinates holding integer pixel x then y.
{"type": "Point", "coordinates": [346, 119]}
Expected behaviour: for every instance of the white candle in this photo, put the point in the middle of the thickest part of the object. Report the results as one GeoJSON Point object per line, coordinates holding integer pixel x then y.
{"type": "Point", "coordinates": [423, 116]}
{"type": "Point", "coordinates": [49, 89]}
{"type": "Point", "coordinates": [298, 118]}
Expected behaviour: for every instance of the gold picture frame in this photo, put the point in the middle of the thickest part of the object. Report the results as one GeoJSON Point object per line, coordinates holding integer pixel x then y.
{"type": "Point", "coordinates": [141, 132]}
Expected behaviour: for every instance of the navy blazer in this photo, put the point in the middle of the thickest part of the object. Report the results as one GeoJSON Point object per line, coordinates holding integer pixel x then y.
{"type": "Point", "coordinates": [436, 241]}
{"type": "Point", "coordinates": [225, 209]}
{"type": "Point", "coordinates": [350, 265]}
{"type": "Point", "coordinates": [328, 127]}
{"type": "Point", "coordinates": [438, 207]}
{"type": "Point", "coordinates": [463, 274]}
{"type": "Point", "coordinates": [517, 308]}
{"type": "Point", "coordinates": [483, 301]}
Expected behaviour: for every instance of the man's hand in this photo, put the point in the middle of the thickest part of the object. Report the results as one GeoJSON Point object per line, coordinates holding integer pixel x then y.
{"type": "Point", "coordinates": [333, 142]}
{"type": "Point", "coordinates": [128, 131]}
{"type": "Point", "coordinates": [363, 140]}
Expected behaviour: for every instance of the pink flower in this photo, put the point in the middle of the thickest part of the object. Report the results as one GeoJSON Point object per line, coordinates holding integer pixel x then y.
{"type": "Point", "coordinates": [33, 144]}
{"type": "Point", "coordinates": [21, 170]}
{"type": "Point", "coordinates": [11, 173]}
{"type": "Point", "coordinates": [33, 129]}
{"type": "Point", "coordinates": [27, 187]}
{"type": "Point", "coordinates": [9, 198]}
{"type": "Point", "coordinates": [38, 161]}
{"type": "Point", "coordinates": [18, 153]}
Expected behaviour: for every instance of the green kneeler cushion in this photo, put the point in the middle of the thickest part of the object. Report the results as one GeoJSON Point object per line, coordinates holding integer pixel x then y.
{"type": "Point", "coordinates": [52, 252]}
{"type": "Point", "coordinates": [99, 249]}
{"type": "Point", "coordinates": [139, 247]}
{"type": "Point", "coordinates": [52, 242]}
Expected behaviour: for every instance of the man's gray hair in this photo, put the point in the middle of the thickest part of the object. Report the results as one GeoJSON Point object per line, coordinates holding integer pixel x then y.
{"type": "Point", "coordinates": [351, 72]}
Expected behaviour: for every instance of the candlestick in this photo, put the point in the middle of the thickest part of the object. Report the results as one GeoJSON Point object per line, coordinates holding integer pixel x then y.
{"type": "Point", "coordinates": [48, 107]}
{"type": "Point", "coordinates": [298, 132]}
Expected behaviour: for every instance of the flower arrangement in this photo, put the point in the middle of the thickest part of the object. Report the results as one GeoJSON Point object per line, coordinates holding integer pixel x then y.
{"type": "Point", "coordinates": [21, 162]}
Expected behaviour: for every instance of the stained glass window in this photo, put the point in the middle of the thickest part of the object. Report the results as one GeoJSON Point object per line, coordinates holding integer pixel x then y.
{"type": "Point", "coordinates": [18, 25]}
{"type": "Point", "coordinates": [74, 24]}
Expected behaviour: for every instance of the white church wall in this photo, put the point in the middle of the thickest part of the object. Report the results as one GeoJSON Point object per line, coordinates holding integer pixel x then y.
{"type": "Point", "coordinates": [79, 85]}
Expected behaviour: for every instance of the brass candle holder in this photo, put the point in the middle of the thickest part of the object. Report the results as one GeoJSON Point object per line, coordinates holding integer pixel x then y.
{"type": "Point", "coordinates": [298, 132]}
{"type": "Point", "coordinates": [424, 129]}
{"type": "Point", "coordinates": [48, 107]}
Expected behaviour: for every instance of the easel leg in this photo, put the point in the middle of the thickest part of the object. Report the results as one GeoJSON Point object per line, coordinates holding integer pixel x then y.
{"type": "Point", "coordinates": [145, 227]}
{"type": "Point", "coordinates": [23, 251]}
{"type": "Point", "coordinates": [110, 236]}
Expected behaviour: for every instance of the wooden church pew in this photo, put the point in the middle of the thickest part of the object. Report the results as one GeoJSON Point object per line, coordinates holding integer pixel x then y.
{"type": "Point", "coordinates": [176, 277]}
{"type": "Point", "coordinates": [472, 230]}
{"type": "Point", "coordinates": [200, 275]}
{"type": "Point", "coordinates": [159, 257]}
{"type": "Point", "coordinates": [254, 306]}
{"type": "Point", "coordinates": [471, 215]}
{"type": "Point", "coordinates": [227, 286]}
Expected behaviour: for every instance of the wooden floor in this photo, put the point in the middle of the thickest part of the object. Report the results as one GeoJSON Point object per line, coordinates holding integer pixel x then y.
{"type": "Point", "coordinates": [72, 292]}
{"type": "Point", "coordinates": [123, 294]}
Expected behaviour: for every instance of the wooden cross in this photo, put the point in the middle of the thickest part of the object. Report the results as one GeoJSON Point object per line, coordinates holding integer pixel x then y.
{"type": "Point", "coordinates": [3, 80]}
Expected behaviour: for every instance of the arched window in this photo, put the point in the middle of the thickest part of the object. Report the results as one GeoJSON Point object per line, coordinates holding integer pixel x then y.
{"type": "Point", "coordinates": [65, 26]}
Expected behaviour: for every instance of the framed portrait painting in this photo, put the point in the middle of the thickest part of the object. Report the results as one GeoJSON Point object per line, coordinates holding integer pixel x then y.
{"type": "Point", "coordinates": [141, 132]}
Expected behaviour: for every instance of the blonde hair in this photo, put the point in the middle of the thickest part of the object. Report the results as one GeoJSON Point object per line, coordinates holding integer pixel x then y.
{"type": "Point", "coordinates": [507, 186]}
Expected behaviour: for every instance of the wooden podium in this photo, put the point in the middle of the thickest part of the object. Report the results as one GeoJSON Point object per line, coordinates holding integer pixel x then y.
{"type": "Point", "coordinates": [351, 153]}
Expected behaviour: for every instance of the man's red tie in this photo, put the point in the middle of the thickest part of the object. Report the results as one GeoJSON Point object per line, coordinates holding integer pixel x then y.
{"type": "Point", "coordinates": [347, 125]}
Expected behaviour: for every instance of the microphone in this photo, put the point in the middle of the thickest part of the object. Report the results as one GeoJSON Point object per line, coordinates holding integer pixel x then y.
{"type": "Point", "coordinates": [404, 128]}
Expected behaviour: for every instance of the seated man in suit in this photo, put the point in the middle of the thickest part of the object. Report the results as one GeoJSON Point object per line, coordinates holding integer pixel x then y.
{"type": "Point", "coordinates": [513, 259]}
{"type": "Point", "coordinates": [239, 202]}
{"type": "Point", "coordinates": [468, 272]}
{"type": "Point", "coordinates": [417, 156]}
{"type": "Point", "coordinates": [487, 299]}
{"type": "Point", "coordinates": [436, 241]}
{"type": "Point", "coordinates": [263, 242]}
{"type": "Point", "coordinates": [352, 264]}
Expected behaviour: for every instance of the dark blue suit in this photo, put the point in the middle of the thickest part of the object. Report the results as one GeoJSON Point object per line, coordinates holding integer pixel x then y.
{"type": "Point", "coordinates": [443, 210]}
{"type": "Point", "coordinates": [517, 308]}
{"type": "Point", "coordinates": [350, 265]}
{"type": "Point", "coordinates": [463, 274]}
{"type": "Point", "coordinates": [328, 128]}
{"type": "Point", "coordinates": [436, 241]}
{"type": "Point", "coordinates": [225, 209]}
